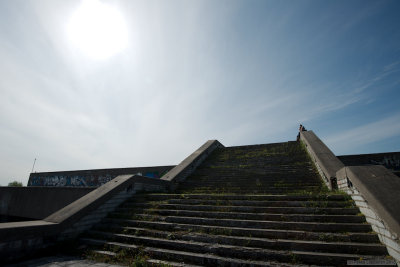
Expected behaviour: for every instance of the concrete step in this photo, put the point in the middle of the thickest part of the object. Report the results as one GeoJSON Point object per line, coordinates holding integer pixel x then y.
{"type": "Point", "coordinates": [227, 190]}
{"type": "Point", "coordinates": [186, 257]}
{"type": "Point", "coordinates": [110, 256]}
{"type": "Point", "coordinates": [249, 209]}
{"type": "Point", "coordinates": [246, 215]}
{"type": "Point", "coordinates": [252, 187]}
{"type": "Point", "coordinates": [273, 176]}
{"type": "Point", "coordinates": [163, 196]}
{"type": "Point", "coordinates": [239, 252]}
{"type": "Point", "coordinates": [249, 182]}
{"type": "Point", "coordinates": [241, 191]}
{"type": "Point", "coordinates": [222, 191]}
{"type": "Point", "coordinates": [279, 244]}
{"type": "Point", "coordinates": [168, 263]}
{"type": "Point", "coordinates": [266, 203]}
{"type": "Point", "coordinates": [281, 225]}
{"type": "Point", "coordinates": [241, 231]}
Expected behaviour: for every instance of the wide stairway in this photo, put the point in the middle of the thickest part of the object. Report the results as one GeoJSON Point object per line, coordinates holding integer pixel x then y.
{"type": "Point", "coordinates": [261, 205]}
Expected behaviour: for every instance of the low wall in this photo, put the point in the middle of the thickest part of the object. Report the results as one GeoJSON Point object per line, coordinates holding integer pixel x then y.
{"type": "Point", "coordinates": [376, 192]}
{"type": "Point", "coordinates": [37, 202]}
{"type": "Point", "coordinates": [390, 160]}
{"type": "Point", "coordinates": [18, 239]}
{"type": "Point", "coordinates": [89, 178]}
{"type": "Point", "coordinates": [326, 162]}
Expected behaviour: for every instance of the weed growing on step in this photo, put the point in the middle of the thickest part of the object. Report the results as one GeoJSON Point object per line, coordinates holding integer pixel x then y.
{"type": "Point", "coordinates": [281, 183]}
{"type": "Point", "coordinates": [130, 257]}
{"type": "Point", "coordinates": [283, 218]}
{"type": "Point", "coordinates": [316, 204]}
{"type": "Point", "coordinates": [326, 237]}
{"type": "Point", "coordinates": [294, 259]}
{"type": "Point", "coordinates": [171, 236]}
{"type": "Point", "coordinates": [183, 196]}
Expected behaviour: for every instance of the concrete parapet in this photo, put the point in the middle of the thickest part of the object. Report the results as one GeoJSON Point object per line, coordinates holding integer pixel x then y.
{"type": "Point", "coordinates": [92, 178]}
{"type": "Point", "coordinates": [20, 238]}
{"type": "Point", "coordinates": [376, 191]}
{"type": "Point", "coordinates": [38, 202]}
{"type": "Point", "coordinates": [90, 202]}
{"type": "Point", "coordinates": [326, 162]}
{"type": "Point", "coordinates": [189, 164]}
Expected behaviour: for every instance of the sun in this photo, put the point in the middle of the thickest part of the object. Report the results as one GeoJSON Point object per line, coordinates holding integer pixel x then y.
{"type": "Point", "coordinates": [97, 29]}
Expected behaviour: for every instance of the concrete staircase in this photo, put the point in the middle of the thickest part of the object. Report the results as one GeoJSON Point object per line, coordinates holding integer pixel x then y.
{"type": "Point", "coordinates": [261, 205]}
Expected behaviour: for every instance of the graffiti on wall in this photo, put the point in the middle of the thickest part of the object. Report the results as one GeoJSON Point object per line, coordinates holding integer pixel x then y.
{"type": "Point", "coordinates": [391, 162]}
{"type": "Point", "coordinates": [86, 180]}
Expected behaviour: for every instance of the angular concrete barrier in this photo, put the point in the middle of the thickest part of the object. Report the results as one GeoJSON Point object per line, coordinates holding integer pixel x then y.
{"type": "Point", "coordinates": [36, 203]}
{"type": "Point", "coordinates": [189, 164]}
{"type": "Point", "coordinates": [21, 238]}
{"type": "Point", "coordinates": [376, 191]}
{"type": "Point", "coordinates": [326, 162]}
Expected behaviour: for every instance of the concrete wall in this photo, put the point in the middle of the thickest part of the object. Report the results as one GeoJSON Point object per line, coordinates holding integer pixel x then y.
{"type": "Point", "coordinates": [324, 159]}
{"type": "Point", "coordinates": [180, 172]}
{"type": "Point", "coordinates": [390, 161]}
{"type": "Point", "coordinates": [89, 178]}
{"type": "Point", "coordinates": [37, 202]}
{"type": "Point", "coordinates": [375, 190]}
{"type": "Point", "coordinates": [19, 239]}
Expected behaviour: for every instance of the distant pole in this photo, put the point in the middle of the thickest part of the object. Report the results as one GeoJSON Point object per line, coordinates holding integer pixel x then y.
{"type": "Point", "coordinates": [33, 165]}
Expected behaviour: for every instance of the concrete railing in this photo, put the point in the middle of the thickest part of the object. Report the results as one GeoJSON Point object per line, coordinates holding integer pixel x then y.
{"type": "Point", "coordinates": [376, 192]}
{"type": "Point", "coordinates": [36, 203]}
{"type": "Point", "coordinates": [91, 178]}
{"type": "Point", "coordinates": [22, 238]}
{"type": "Point", "coordinates": [326, 162]}
{"type": "Point", "coordinates": [189, 164]}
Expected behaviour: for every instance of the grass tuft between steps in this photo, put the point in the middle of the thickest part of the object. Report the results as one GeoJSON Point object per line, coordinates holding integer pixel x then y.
{"type": "Point", "coordinates": [129, 257]}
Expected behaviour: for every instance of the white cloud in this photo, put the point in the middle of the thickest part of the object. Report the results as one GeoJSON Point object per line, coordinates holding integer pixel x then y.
{"type": "Point", "coordinates": [354, 139]}
{"type": "Point", "coordinates": [193, 71]}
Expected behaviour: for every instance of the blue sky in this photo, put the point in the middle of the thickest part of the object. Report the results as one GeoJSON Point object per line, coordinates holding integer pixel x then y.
{"type": "Point", "coordinates": [242, 72]}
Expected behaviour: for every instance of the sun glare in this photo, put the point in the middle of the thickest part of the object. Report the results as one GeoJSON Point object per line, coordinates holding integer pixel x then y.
{"type": "Point", "coordinates": [98, 30]}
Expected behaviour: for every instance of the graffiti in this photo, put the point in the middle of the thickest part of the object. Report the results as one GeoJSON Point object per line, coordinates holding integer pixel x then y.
{"type": "Point", "coordinates": [390, 162]}
{"type": "Point", "coordinates": [59, 180]}
{"type": "Point", "coordinates": [104, 179]}
{"type": "Point", "coordinates": [92, 178]}
{"type": "Point", "coordinates": [152, 174]}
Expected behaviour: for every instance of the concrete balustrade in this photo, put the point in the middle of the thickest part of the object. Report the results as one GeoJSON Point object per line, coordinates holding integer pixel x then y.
{"type": "Point", "coordinates": [375, 190]}
{"type": "Point", "coordinates": [22, 238]}
{"type": "Point", "coordinates": [189, 164]}
{"type": "Point", "coordinates": [36, 203]}
{"type": "Point", "coordinates": [326, 162]}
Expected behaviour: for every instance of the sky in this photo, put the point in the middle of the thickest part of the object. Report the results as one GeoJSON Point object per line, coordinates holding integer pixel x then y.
{"type": "Point", "coordinates": [109, 84]}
